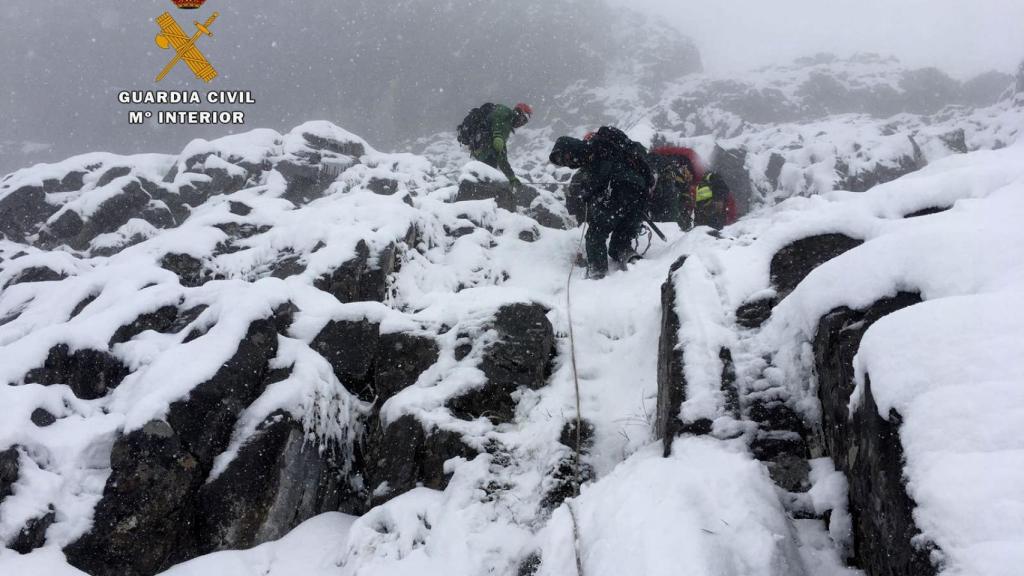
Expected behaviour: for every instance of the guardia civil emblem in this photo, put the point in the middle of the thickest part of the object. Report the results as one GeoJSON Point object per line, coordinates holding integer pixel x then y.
{"type": "Point", "coordinates": [172, 36]}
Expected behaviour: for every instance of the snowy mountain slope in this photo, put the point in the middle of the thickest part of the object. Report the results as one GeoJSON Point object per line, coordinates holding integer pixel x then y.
{"type": "Point", "coordinates": [209, 351]}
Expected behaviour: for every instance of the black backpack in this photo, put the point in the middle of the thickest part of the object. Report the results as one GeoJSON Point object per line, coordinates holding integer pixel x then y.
{"type": "Point", "coordinates": [613, 144]}
{"type": "Point", "coordinates": [473, 130]}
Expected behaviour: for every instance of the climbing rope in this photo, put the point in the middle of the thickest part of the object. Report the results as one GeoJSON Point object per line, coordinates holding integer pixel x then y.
{"type": "Point", "coordinates": [579, 411]}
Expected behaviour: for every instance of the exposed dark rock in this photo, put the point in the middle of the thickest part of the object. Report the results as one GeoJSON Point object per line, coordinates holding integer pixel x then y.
{"type": "Point", "coordinates": [530, 235]}
{"type": "Point", "coordinates": [22, 210]}
{"type": "Point", "coordinates": [883, 172]}
{"type": "Point", "coordinates": [586, 435]}
{"type": "Point", "coordinates": [33, 534]}
{"type": "Point", "coordinates": [304, 180]}
{"type": "Point", "coordinates": [671, 378]}
{"type": "Point", "coordinates": [955, 141]}
{"type": "Point", "coordinates": [113, 174]}
{"type": "Point", "coordinates": [239, 208]}
{"type": "Point", "coordinates": [400, 359]}
{"type": "Point", "coordinates": [382, 186]}
{"type": "Point", "coordinates": [147, 509]}
{"type": "Point", "coordinates": [927, 211]}
{"type": "Point", "coordinates": [793, 263]}
{"type": "Point", "coordinates": [546, 218]}
{"type": "Point", "coordinates": [10, 466]}
{"type": "Point", "coordinates": [519, 357]}
{"type": "Point", "coordinates": [284, 316]}
{"type": "Point", "coordinates": [185, 318]}
{"type": "Point", "coordinates": [40, 417]}
{"type": "Point", "coordinates": [35, 274]}
{"type": "Point", "coordinates": [529, 565]}
{"type": "Point", "coordinates": [278, 480]}
{"type": "Point", "coordinates": [89, 373]}
{"type": "Point", "coordinates": [160, 321]}
{"type": "Point", "coordinates": [563, 481]}
{"type": "Point", "coordinates": [463, 229]}
{"type": "Point", "coordinates": [189, 269]}
{"type": "Point", "coordinates": [774, 170]}
{"type": "Point", "coordinates": [288, 267]}
{"type": "Point", "coordinates": [147, 519]}
{"type": "Point", "coordinates": [728, 383]}
{"type": "Point", "coordinates": [83, 304]}
{"type": "Point", "coordinates": [362, 279]}
{"type": "Point", "coordinates": [500, 192]}
{"type": "Point", "coordinates": [67, 225]}
{"type": "Point", "coordinates": [867, 447]}
{"type": "Point", "coordinates": [348, 148]}
{"type": "Point", "coordinates": [791, 473]}
{"type": "Point", "coordinates": [351, 347]}
{"type": "Point", "coordinates": [205, 419]}
{"type": "Point", "coordinates": [160, 216]}
{"type": "Point", "coordinates": [755, 313]}
{"type": "Point", "coordinates": [114, 213]}
{"type": "Point", "coordinates": [404, 454]}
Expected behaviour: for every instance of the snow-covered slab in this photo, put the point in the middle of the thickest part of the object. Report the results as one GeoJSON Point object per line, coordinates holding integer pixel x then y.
{"type": "Point", "coordinates": [708, 510]}
{"type": "Point", "coordinates": [952, 369]}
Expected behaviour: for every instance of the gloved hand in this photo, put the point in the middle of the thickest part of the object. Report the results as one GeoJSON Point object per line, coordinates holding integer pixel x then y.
{"type": "Point", "coordinates": [499, 145]}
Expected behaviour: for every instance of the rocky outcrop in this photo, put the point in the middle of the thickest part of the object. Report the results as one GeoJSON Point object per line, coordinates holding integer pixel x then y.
{"type": "Point", "coordinates": [793, 263]}
{"type": "Point", "coordinates": [892, 168]}
{"type": "Point", "coordinates": [507, 197]}
{"type": "Point", "coordinates": [278, 480]}
{"type": "Point", "coordinates": [400, 359]}
{"type": "Point", "coordinates": [35, 274]}
{"type": "Point", "coordinates": [350, 347]}
{"type": "Point", "coordinates": [365, 277]}
{"type": "Point", "coordinates": [10, 466]}
{"type": "Point", "coordinates": [147, 518]}
{"type": "Point", "coordinates": [867, 447]}
{"type": "Point", "coordinates": [147, 512]}
{"type": "Point", "coordinates": [519, 358]}
{"type": "Point", "coordinates": [406, 453]}
{"type": "Point", "coordinates": [89, 373]}
{"type": "Point", "coordinates": [671, 377]}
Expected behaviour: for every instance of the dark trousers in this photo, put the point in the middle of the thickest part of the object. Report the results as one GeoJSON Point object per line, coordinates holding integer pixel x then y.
{"type": "Point", "coordinates": [620, 218]}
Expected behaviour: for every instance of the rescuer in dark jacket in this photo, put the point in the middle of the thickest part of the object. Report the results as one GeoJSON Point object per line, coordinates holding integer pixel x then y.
{"type": "Point", "coordinates": [614, 190]}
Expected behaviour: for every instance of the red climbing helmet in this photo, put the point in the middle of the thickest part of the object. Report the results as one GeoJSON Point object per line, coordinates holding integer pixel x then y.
{"type": "Point", "coordinates": [524, 109]}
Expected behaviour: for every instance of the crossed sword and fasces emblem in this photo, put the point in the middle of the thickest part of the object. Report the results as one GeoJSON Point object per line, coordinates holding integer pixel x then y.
{"type": "Point", "coordinates": [171, 35]}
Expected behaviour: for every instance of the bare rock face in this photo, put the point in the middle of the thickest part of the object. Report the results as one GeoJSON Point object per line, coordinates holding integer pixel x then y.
{"type": "Point", "coordinates": [671, 377]}
{"type": "Point", "coordinates": [364, 278]}
{"type": "Point", "coordinates": [793, 263]}
{"type": "Point", "coordinates": [147, 518]}
{"type": "Point", "coordinates": [867, 447]}
{"type": "Point", "coordinates": [147, 510]}
{"type": "Point", "coordinates": [350, 347]}
{"type": "Point", "coordinates": [405, 453]}
{"type": "Point", "coordinates": [519, 358]}
{"type": "Point", "coordinates": [89, 373]}
{"type": "Point", "coordinates": [278, 480]}
{"type": "Point", "coordinates": [500, 192]}
{"type": "Point", "coordinates": [892, 169]}
{"type": "Point", "coordinates": [10, 466]}
{"type": "Point", "coordinates": [35, 274]}
{"type": "Point", "coordinates": [401, 358]}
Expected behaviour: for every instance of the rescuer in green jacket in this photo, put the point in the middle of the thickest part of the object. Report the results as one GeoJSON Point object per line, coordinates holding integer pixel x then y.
{"type": "Point", "coordinates": [486, 131]}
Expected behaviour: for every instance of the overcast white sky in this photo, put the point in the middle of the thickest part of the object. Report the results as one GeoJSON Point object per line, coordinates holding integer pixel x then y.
{"type": "Point", "coordinates": [962, 37]}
